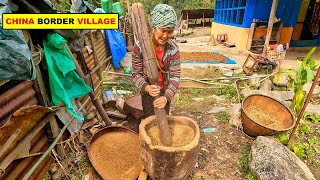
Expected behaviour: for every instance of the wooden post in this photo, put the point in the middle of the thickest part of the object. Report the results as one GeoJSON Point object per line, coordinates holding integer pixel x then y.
{"type": "Point", "coordinates": [251, 33]}
{"type": "Point", "coordinates": [203, 19]}
{"type": "Point", "coordinates": [270, 25]}
{"type": "Point", "coordinates": [187, 20]}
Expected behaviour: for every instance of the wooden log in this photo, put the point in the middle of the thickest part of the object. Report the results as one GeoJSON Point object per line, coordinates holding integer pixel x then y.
{"type": "Point", "coordinates": [141, 31]}
{"type": "Point", "coordinates": [250, 36]}
{"type": "Point", "coordinates": [117, 115]}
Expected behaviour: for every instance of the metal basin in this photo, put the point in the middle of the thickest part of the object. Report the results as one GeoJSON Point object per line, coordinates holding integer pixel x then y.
{"type": "Point", "coordinates": [114, 153]}
{"type": "Point", "coordinates": [271, 110]}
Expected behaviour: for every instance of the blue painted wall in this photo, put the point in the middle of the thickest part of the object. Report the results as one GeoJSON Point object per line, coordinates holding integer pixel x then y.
{"type": "Point", "coordinates": [260, 9]}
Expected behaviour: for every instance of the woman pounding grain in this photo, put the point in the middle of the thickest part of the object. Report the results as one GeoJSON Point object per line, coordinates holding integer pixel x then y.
{"type": "Point", "coordinates": [164, 21]}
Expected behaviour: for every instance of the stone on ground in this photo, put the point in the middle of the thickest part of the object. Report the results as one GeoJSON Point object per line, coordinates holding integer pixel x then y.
{"type": "Point", "coordinates": [283, 80]}
{"type": "Point", "coordinates": [266, 85]}
{"type": "Point", "coordinates": [226, 71]}
{"type": "Point", "coordinates": [270, 160]}
{"type": "Point", "coordinates": [235, 114]}
{"type": "Point", "coordinates": [313, 109]}
{"type": "Point", "coordinates": [216, 110]}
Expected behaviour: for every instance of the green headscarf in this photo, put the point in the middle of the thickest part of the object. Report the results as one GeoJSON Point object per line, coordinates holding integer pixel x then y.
{"type": "Point", "coordinates": [164, 16]}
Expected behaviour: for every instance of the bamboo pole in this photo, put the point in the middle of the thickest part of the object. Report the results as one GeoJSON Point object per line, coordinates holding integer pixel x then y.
{"type": "Point", "coordinates": [270, 25]}
{"type": "Point", "coordinates": [45, 154]}
{"type": "Point", "coordinates": [315, 81]}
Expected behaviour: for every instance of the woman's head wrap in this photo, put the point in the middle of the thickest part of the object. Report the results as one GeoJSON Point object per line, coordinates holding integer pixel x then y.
{"type": "Point", "coordinates": [164, 16]}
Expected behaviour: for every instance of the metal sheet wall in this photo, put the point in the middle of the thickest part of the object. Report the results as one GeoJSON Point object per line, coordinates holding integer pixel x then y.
{"type": "Point", "coordinates": [13, 99]}
{"type": "Point", "coordinates": [102, 53]}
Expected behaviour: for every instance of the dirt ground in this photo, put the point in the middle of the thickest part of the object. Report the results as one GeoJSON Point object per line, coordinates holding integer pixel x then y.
{"type": "Point", "coordinates": [224, 152]}
{"type": "Point", "coordinates": [221, 151]}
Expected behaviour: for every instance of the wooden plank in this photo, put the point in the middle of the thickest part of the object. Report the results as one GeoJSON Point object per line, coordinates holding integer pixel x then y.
{"type": "Point", "coordinates": [117, 115]}
{"type": "Point", "coordinates": [250, 37]}
{"type": "Point", "coordinates": [270, 25]}
{"type": "Point", "coordinates": [43, 95]}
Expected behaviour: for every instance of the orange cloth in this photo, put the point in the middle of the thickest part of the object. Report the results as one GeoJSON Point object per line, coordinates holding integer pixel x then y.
{"type": "Point", "coordinates": [159, 54]}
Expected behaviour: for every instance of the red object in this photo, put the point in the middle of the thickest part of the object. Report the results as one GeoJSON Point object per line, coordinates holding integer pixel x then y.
{"type": "Point", "coordinates": [159, 54]}
{"type": "Point", "coordinates": [273, 47]}
{"type": "Point", "coordinates": [221, 38]}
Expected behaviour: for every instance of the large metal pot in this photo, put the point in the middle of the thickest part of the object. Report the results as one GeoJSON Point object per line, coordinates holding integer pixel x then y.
{"type": "Point", "coordinates": [270, 106]}
{"type": "Point", "coordinates": [117, 154]}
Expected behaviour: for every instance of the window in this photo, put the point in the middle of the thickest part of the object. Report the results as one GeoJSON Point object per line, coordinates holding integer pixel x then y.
{"type": "Point", "coordinates": [230, 12]}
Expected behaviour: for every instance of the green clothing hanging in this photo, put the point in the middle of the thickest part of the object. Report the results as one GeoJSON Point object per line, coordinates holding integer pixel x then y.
{"type": "Point", "coordinates": [65, 84]}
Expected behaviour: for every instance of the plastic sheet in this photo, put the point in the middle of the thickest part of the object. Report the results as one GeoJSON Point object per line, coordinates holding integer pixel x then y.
{"type": "Point", "coordinates": [15, 57]}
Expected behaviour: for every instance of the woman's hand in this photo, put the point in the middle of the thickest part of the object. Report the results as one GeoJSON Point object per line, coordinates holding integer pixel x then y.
{"type": "Point", "coordinates": [153, 90]}
{"type": "Point", "coordinates": [160, 102]}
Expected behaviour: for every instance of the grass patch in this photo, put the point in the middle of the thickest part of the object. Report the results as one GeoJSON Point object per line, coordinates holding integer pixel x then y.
{"type": "Point", "coordinates": [223, 116]}
{"type": "Point", "coordinates": [244, 163]}
{"type": "Point", "coordinates": [278, 88]}
{"type": "Point", "coordinates": [241, 74]}
{"type": "Point", "coordinates": [201, 73]}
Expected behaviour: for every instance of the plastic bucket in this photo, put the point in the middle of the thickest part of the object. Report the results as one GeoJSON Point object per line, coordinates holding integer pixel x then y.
{"type": "Point", "coordinates": [117, 8]}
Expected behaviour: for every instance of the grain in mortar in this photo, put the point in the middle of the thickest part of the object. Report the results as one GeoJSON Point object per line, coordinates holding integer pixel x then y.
{"type": "Point", "coordinates": [181, 135]}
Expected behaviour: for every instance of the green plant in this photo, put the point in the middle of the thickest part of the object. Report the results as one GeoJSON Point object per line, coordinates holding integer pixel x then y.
{"type": "Point", "coordinates": [46, 176]}
{"type": "Point", "coordinates": [305, 127]}
{"type": "Point", "coordinates": [198, 178]}
{"type": "Point", "coordinates": [283, 137]}
{"type": "Point", "coordinates": [229, 91]}
{"type": "Point", "coordinates": [298, 149]}
{"type": "Point", "coordinates": [249, 176]}
{"type": "Point", "coordinates": [313, 117]}
{"type": "Point", "coordinates": [305, 73]}
{"type": "Point", "coordinates": [312, 141]}
{"type": "Point", "coordinates": [244, 163]}
{"type": "Point", "coordinates": [223, 116]}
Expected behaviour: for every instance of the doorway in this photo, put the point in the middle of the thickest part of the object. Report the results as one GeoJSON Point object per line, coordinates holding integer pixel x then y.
{"type": "Point", "coordinates": [306, 32]}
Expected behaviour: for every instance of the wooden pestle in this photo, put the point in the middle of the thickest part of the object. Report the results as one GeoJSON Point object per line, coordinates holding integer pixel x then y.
{"type": "Point", "coordinates": [141, 32]}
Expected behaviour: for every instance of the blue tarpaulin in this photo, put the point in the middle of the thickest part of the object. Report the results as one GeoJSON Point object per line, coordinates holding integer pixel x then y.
{"type": "Point", "coordinates": [116, 43]}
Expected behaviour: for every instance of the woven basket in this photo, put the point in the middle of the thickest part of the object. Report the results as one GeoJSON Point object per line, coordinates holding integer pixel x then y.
{"type": "Point", "coordinates": [274, 55]}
